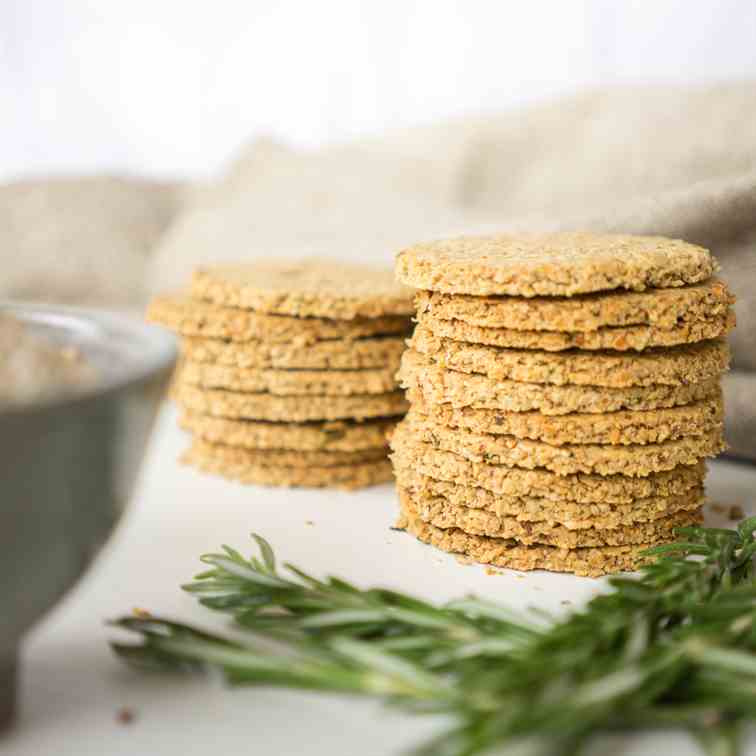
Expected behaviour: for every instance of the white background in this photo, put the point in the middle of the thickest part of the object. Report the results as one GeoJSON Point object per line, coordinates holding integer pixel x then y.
{"type": "Point", "coordinates": [172, 87]}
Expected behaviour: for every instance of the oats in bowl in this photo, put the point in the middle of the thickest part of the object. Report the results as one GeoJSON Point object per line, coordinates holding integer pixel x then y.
{"type": "Point", "coordinates": [33, 369]}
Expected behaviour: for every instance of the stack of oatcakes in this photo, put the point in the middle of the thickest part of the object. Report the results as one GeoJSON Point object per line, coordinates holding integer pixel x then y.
{"type": "Point", "coordinates": [564, 391]}
{"type": "Point", "coordinates": [288, 370]}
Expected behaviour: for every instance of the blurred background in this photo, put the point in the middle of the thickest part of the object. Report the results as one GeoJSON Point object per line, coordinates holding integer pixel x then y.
{"type": "Point", "coordinates": [142, 138]}
{"type": "Point", "coordinates": [169, 88]}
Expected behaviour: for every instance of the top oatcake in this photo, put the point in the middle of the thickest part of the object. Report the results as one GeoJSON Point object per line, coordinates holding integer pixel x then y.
{"type": "Point", "coordinates": [304, 288]}
{"type": "Point", "coordinates": [554, 264]}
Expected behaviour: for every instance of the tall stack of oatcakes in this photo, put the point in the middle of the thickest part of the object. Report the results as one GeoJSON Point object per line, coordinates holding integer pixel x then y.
{"type": "Point", "coordinates": [564, 391]}
{"type": "Point", "coordinates": [288, 370]}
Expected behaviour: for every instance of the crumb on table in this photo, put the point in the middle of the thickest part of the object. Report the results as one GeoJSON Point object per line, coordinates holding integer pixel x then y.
{"type": "Point", "coordinates": [736, 513]}
{"type": "Point", "coordinates": [125, 716]}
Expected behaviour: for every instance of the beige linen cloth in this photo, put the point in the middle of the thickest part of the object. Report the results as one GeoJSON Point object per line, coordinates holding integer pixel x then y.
{"type": "Point", "coordinates": [667, 160]}
{"type": "Point", "coordinates": [83, 240]}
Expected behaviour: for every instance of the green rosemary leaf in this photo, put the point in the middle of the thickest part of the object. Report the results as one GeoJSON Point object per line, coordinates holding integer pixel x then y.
{"type": "Point", "coordinates": [343, 617]}
{"type": "Point", "coordinates": [234, 554]}
{"type": "Point", "coordinates": [675, 646]}
{"type": "Point", "coordinates": [303, 576]}
{"type": "Point", "coordinates": [747, 527]}
{"type": "Point", "coordinates": [266, 552]}
{"type": "Point", "coordinates": [677, 548]}
{"type": "Point", "coordinates": [245, 571]}
{"type": "Point", "coordinates": [474, 607]}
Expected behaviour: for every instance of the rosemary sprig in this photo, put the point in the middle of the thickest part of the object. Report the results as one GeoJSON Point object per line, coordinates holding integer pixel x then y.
{"type": "Point", "coordinates": [674, 647]}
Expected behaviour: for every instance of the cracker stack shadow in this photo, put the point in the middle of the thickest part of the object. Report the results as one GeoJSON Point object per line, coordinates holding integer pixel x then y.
{"type": "Point", "coordinates": [564, 392]}
{"type": "Point", "coordinates": [288, 371]}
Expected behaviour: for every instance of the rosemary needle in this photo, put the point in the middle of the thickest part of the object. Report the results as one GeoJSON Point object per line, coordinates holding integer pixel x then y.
{"type": "Point", "coordinates": [674, 647]}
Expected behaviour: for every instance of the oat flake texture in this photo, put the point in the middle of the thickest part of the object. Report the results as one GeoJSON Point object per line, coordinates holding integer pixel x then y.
{"type": "Point", "coordinates": [560, 264]}
{"type": "Point", "coordinates": [304, 288]}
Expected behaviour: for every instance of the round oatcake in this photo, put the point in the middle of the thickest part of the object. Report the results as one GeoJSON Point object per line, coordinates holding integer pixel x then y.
{"type": "Point", "coordinates": [661, 308]}
{"type": "Point", "coordinates": [337, 435]}
{"type": "Point", "coordinates": [552, 264]}
{"type": "Point", "coordinates": [288, 409]}
{"type": "Point", "coordinates": [190, 317]}
{"type": "Point", "coordinates": [304, 288]}
{"type": "Point", "coordinates": [622, 338]}
{"type": "Point", "coordinates": [213, 459]}
{"type": "Point", "coordinates": [330, 354]}
{"type": "Point", "coordinates": [239, 457]}
{"type": "Point", "coordinates": [624, 427]}
{"type": "Point", "coordinates": [290, 382]}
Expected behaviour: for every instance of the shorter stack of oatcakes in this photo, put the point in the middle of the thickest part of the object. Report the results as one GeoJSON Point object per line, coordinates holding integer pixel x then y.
{"type": "Point", "coordinates": [288, 370]}
{"type": "Point", "coordinates": [564, 392]}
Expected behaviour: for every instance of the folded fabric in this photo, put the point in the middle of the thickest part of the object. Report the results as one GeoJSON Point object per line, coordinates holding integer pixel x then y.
{"type": "Point", "coordinates": [81, 240]}
{"type": "Point", "coordinates": [740, 415]}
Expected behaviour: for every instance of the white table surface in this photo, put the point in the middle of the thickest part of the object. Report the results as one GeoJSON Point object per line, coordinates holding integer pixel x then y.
{"type": "Point", "coordinates": [73, 687]}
